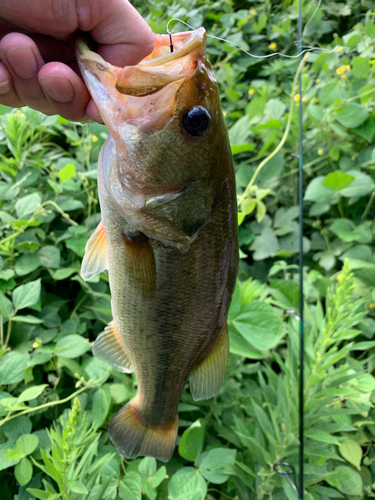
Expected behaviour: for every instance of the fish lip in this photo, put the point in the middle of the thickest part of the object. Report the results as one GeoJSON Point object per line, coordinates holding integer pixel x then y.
{"type": "Point", "coordinates": [195, 39]}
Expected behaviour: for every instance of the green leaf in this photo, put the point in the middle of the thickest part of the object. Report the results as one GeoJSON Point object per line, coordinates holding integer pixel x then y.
{"type": "Point", "coordinates": [77, 244]}
{"type": "Point", "coordinates": [6, 306]}
{"type": "Point", "coordinates": [4, 461]}
{"type": "Point", "coordinates": [77, 487]}
{"type": "Point", "coordinates": [49, 257]}
{"type": "Point", "coordinates": [147, 467]}
{"type": "Point", "coordinates": [217, 464]}
{"type": "Point", "coordinates": [330, 93]}
{"type": "Point", "coordinates": [361, 186]}
{"type": "Point", "coordinates": [187, 484]}
{"type": "Point", "coordinates": [370, 28]}
{"type": "Point", "coordinates": [28, 205]}
{"type": "Point", "coordinates": [265, 245]}
{"type": "Point", "coordinates": [27, 264]}
{"type": "Point", "coordinates": [72, 346]}
{"type": "Point", "coordinates": [158, 477]}
{"type": "Point", "coordinates": [13, 367]}
{"type": "Point", "coordinates": [259, 325]}
{"type": "Point", "coordinates": [14, 428]}
{"type": "Point", "coordinates": [62, 274]}
{"type": "Point", "coordinates": [130, 487]}
{"type": "Point", "coordinates": [240, 131]}
{"type": "Point", "coordinates": [191, 443]}
{"type": "Point", "coordinates": [338, 180]}
{"type": "Point", "coordinates": [27, 443]}
{"type": "Point", "coordinates": [32, 392]}
{"type": "Point", "coordinates": [100, 405]}
{"type": "Point", "coordinates": [65, 174]}
{"type": "Point", "coordinates": [352, 452]}
{"type": "Point", "coordinates": [96, 368]}
{"type": "Point", "coordinates": [322, 436]}
{"type": "Point", "coordinates": [346, 480]}
{"type": "Point", "coordinates": [352, 115]}
{"type": "Point", "coordinates": [27, 318]}
{"type": "Point", "coordinates": [119, 393]}
{"type": "Point", "coordinates": [23, 471]}
{"type": "Point", "coordinates": [41, 494]}
{"type": "Point", "coordinates": [361, 67]}
{"type": "Point", "coordinates": [26, 295]}
{"type": "Point", "coordinates": [317, 192]}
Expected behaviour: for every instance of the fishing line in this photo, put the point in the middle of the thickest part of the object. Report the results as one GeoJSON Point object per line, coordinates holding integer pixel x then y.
{"type": "Point", "coordinates": [307, 48]}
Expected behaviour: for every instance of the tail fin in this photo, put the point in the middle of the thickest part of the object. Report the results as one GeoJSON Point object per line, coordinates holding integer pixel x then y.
{"type": "Point", "coordinates": [132, 436]}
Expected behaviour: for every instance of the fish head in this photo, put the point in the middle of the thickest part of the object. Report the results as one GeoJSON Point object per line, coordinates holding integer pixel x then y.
{"type": "Point", "coordinates": [164, 113]}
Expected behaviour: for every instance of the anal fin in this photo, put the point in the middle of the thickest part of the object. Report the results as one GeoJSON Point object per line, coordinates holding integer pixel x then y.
{"type": "Point", "coordinates": [208, 377]}
{"type": "Point", "coordinates": [95, 259]}
{"type": "Point", "coordinates": [108, 347]}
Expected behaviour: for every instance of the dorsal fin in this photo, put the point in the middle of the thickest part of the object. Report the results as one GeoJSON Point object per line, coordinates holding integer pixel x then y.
{"type": "Point", "coordinates": [108, 347]}
{"type": "Point", "coordinates": [95, 259]}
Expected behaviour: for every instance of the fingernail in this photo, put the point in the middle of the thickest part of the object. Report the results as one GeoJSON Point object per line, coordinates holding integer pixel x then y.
{"type": "Point", "coordinates": [5, 87]}
{"type": "Point", "coordinates": [22, 61]}
{"type": "Point", "coordinates": [59, 88]}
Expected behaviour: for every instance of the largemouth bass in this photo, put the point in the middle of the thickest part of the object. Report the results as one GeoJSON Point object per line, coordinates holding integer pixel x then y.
{"type": "Point", "coordinates": [168, 234]}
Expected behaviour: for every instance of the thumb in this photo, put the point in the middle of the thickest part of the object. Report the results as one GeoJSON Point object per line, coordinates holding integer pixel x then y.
{"type": "Point", "coordinates": [123, 35]}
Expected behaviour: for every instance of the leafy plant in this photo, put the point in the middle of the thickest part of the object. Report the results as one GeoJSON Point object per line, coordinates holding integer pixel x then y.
{"type": "Point", "coordinates": [49, 317]}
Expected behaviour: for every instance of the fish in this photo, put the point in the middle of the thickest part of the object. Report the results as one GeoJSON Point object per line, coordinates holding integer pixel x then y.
{"type": "Point", "coordinates": [167, 236]}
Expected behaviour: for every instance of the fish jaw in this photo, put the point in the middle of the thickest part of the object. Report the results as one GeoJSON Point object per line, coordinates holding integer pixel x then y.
{"type": "Point", "coordinates": [143, 95]}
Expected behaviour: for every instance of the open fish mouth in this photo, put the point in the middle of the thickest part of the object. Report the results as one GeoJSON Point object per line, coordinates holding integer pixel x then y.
{"type": "Point", "coordinates": [155, 71]}
{"type": "Point", "coordinates": [143, 95]}
{"type": "Point", "coordinates": [163, 66]}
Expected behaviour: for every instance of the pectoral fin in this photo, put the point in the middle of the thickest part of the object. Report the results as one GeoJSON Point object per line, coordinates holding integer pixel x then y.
{"type": "Point", "coordinates": [108, 347]}
{"type": "Point", "coordinates": [208, 377]}
{"type": "Point", "coordinates": [95, 259]}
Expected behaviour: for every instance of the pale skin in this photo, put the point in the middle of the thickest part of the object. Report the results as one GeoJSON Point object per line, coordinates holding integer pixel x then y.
{"type": "Point", "coordinates": [37, 60]}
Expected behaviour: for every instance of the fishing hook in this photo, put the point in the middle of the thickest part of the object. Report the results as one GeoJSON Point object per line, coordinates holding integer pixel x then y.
{"type": "Point", "coordinates": [170, 39]}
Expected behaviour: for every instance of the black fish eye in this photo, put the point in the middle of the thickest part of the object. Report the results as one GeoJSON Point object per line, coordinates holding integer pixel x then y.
{"type": "Point", "coordinates": [196, 121]}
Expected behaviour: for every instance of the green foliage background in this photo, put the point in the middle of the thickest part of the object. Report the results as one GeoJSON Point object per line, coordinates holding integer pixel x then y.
{"type": "Point", "coordinates": [56, 400]}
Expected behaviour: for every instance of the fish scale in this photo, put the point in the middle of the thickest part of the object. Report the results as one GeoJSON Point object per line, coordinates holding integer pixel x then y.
{"type": "Point", "coordinates": [168, 234]}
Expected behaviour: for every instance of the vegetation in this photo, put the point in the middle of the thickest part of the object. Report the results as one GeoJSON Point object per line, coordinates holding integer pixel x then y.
{"type": "Point", "coordinates": [56, 399]}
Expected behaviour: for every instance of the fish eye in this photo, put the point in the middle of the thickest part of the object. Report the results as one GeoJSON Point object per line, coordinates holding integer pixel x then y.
{"type": "Point", "coordinates": [196, 121]}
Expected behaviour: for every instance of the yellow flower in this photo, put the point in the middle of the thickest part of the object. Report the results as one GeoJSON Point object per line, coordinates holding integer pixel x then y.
{"type": "Point", "coordinates": [318, 80]}
{"type": "Point", "coordinates": [347, 67]}
{"type": "Point", "coordinates": [341, 70]}
{"type": "Point", "coordinates": [251, 92]}
{"type": "Point", "coordinates": [372, 306]}
{"type": "Point", "coordinates": [339, 277]}
{"type": "Point", "coordinates": [343, 77]}
{"type": "Point", "coordinates": [272, 46]}
{"type": "Point", "coordinates": [304, 99]}
{"type": "Point", "coordinates": [94, 138]}
{"type": "Point", "coordinates": [339, 49]}
{"type": "Point", "coordinates": [253, 12]}
{"type": "Point", "coordinates": [297, 98]}
{"type": "Point", "coordinates": [320, 152]}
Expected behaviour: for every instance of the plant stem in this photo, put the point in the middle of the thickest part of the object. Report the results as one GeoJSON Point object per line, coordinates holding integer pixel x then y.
{"type": "Point", "coordinates": [9, 329]}
{"type": "Point", "coordinates": [368, 206]}
{"type": "Point", "coordinates": [1, 332]}
{"type": "Point", "coordinates": [51, 403]}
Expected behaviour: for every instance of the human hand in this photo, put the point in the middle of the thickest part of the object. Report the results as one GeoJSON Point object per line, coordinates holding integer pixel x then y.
{"type": "Point", "coordinates": [37, 59]}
